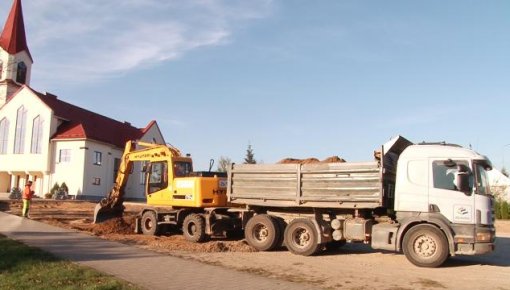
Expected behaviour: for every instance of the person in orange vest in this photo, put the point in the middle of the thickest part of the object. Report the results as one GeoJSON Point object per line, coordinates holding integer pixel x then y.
{"type": "Point", "coordinates": [28, 193]}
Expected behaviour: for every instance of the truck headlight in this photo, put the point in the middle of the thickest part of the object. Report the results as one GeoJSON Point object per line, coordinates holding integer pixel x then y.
{"type": "Point", "coordinates": [483, 237]}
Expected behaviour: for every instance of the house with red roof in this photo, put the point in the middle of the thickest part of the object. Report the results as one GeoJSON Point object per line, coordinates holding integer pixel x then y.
{"type": "Point", "coordinates": [47, 140]}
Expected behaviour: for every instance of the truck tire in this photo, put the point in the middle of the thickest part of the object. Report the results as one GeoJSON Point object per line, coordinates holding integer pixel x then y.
{"type": "Point", "coordinates": [262, 232]}
{"type": "Point", "coordinates": [425, 246]}
{"type": "Point", "coordinates": [193, 228]}
{"type": "Point", "coordinates": [301, 237]}
{"type": "Point", "coordinates": [149, 223]}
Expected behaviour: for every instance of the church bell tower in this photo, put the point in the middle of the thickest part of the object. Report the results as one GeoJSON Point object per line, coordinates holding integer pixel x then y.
{"type": "Point", "coordinates": [15, 59]}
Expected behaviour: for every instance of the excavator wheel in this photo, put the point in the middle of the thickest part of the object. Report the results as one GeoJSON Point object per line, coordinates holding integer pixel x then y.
{"type": "Point", "coordinates": [149, 223]}
{"type": "Point", "coordinates": [193, 228]}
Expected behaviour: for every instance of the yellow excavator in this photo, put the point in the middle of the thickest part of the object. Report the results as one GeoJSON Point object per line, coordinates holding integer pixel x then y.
{"type": "Point", "coordinates": [176, 196]}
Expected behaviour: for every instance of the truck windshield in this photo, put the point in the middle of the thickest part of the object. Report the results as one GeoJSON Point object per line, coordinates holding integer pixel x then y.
{"type": "Point", "coordinates": [482, 180]}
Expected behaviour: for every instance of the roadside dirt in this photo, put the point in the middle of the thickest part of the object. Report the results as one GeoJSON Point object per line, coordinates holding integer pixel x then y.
{"type": "Point", "coordinates": [350, 267]}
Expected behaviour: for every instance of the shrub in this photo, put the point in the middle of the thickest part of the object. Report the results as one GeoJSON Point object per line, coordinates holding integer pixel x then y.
{"type": "Point", "coordinates": [64, 188]}
{"type": "Point", "coordinates": [54, 189]}
{"type": "Point", "coordinates": [48, 195]}
{"type": "Point", "coordinates": [15, 193]}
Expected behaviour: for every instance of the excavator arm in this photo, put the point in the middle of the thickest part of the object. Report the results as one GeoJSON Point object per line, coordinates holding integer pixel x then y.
{"type": "Point", "coordinates": [112, 205]}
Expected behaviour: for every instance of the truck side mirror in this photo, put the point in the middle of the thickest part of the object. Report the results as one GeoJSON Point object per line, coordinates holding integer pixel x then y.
{"type": "Point", "coordinates": [462, 179]}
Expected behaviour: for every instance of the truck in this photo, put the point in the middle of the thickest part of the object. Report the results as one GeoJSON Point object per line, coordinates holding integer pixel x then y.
{"type": "Point", "coordinates": [428, 200]}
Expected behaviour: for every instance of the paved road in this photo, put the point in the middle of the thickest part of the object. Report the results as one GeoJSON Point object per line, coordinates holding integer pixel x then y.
{"type": "Point", "coordinates": [141, 267]}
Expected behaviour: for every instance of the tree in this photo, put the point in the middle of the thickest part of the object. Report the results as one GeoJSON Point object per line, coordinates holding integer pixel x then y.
{"type": "Point", "coordinates": [224, 164]}
{"type": "Point", "coordinates": [505, 214]}
{"type": "Point", "coordinates": [249, 159]}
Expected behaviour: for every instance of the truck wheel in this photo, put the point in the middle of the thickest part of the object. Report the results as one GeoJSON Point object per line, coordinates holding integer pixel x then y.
{"type": "Point", "coordinates": [193, 228]}
{"type": "Point", "coordinates": [425, 246]}
{"type": "Point", "coordinates": [262, 232]}
{"type": "Point", "coordinates": [149, 223]}
{"type": "Point", "coordinates": [301, 237]}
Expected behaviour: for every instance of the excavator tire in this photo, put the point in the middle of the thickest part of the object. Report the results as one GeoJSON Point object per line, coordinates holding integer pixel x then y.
{"type": "Point", "coordinates": [149, 223]}
{"type": "Point", "coordinates": [193, 228]}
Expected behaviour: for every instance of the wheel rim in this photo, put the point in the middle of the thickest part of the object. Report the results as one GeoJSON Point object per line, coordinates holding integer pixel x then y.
{"type": "Point", "coordinates": [192, 229]}
{"type": "Point", "coordinates": [425, 246]}
{"type": "Point", "coordinates": [260, 233]}
{"type": "Point", "coordinates": [148, 224]}
{"type": "Point", "coordinates": [301, 237]}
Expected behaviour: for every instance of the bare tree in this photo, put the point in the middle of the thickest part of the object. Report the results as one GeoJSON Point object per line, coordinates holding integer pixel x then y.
{"type": "Point", "coordinates": [224, 163]}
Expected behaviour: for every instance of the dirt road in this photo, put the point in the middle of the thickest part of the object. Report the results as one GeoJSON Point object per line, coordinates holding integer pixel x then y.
{"type": "Point", "coordinates": [350, 267]}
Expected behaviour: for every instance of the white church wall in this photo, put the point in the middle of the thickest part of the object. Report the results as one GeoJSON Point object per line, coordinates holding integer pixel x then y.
{"type": "Point", "coordinates": [28, 161]}
{"type": "Point", "coordinates": [68, 159]}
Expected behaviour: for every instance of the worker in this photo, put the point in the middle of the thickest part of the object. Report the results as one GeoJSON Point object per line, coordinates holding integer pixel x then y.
{"type": "Point", "coordinates": [28, 193]}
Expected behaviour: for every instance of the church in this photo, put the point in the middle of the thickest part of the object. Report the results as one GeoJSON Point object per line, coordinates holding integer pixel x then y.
{"type": "Point", "coordinates": [47, 140]}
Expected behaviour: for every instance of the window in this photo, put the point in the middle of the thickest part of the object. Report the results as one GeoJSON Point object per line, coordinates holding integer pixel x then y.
{"type": "Point", "coordinates": [482, 180]}
{"type": "Point", "coordinates": [21, 73]}
{"type": "Point", "coordinates": [116, 165]}
{"type": "Point", "coordinates": [444, 173]}
{"type": "Point", "coordinates": [182, 169]}
{"type": "Point", "coordinates": [37, 130]}
{"type": "Point", "coordinates": [158, 178]}
{"type": "Point", "coordinates": [98, 158]}
{"type": "Point", "coordinates": [19, 136]}
{"type": "Point", "coordinates": [143, 169]}
{"type": "Point", "coordinates": [64, 156]}
{"type": "Point", "coordinates": [4, 135]}
{"type": "Point", "coordinates": [96, 181]}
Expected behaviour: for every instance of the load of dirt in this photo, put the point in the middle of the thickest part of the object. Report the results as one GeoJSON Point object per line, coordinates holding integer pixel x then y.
{"type": "Point", "coordinates": [332, 159]}
{"type": "Point", "coordinates": [114, 226]}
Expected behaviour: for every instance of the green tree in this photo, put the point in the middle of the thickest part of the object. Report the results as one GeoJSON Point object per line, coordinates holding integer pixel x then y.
{"type": "Point", "coordinates": [505, 214]}
{"type": "Point", "coordinates": [497, 209]}
{"type": "Point", "coordinates": [250, 156]}
{"type": "Point", "coordinates": [224, 164]}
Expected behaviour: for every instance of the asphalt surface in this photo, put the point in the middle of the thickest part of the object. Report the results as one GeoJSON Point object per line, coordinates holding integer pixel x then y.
{"type": "Point", "coordinates": [141, 267]}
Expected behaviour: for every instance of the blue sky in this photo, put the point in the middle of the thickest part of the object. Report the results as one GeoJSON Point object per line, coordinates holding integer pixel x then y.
{"type": "Point", "coordinates": [292, 78]}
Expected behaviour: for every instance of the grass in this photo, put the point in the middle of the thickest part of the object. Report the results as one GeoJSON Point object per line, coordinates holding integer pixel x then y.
{"type": "Point", "coordinates": [23, 267]}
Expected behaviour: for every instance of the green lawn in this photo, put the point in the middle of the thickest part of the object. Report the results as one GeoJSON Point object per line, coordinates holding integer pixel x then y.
{"type": "Point", "coordinates": [23, 267]}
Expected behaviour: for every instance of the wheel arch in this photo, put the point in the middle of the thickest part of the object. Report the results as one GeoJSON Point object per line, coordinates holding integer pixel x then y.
{"type": "Point", "coordinates": [434, 221]}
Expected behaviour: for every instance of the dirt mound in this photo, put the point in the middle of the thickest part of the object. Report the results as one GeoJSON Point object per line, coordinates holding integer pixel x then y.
{"type": "Point", "coordinates": [114, 226]}
{"type": "Point", "coordinates": [332, 159]}
{"type": "Point", "coordinates": [298, 161]}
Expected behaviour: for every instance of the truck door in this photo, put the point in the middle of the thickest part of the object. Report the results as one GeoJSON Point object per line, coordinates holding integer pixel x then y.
{"type": "Point", "coordinates": [458, 207]}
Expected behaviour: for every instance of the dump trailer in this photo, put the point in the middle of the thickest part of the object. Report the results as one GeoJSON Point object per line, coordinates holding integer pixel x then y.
{"type": "Point", "coordinates": [430, 201]}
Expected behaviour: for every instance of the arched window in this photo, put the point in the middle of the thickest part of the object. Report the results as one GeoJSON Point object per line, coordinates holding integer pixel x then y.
{"type": "Point", "coordinates": [19, 136]}
{"type": "Point", "coordinates": [37, 132]}
{"type": "Point", "coordinates": [21, 73]}
{"type": "Point", "coordinates": [4, 135]}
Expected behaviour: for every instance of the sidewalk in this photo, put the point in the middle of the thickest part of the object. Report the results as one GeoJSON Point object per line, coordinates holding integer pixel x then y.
{"type": "Point", "coordinates": [141, 267]}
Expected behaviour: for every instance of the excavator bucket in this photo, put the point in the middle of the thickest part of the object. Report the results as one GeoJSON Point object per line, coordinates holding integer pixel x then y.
{"type": "Point", "coordinates": [104, 213]}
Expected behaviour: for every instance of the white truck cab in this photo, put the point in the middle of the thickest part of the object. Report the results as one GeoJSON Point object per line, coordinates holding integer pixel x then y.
{"type": "Point", "coordinates": [446, 186]}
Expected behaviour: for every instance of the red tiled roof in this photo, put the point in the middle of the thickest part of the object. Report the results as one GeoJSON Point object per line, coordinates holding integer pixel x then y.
{"type": "Point", "coordinates": [80, 124]}
{"type": "Point", "coordinates": [13, 38]}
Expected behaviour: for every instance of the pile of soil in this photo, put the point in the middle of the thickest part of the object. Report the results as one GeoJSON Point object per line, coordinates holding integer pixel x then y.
{"type": "Point", "coordinates": [332, 159]}
{"type": "Point", "coordinates": [114, 226]}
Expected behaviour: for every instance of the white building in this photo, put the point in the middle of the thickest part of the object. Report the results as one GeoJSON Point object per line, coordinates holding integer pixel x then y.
{"type": "Point", "coordinates": [47, 140]}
